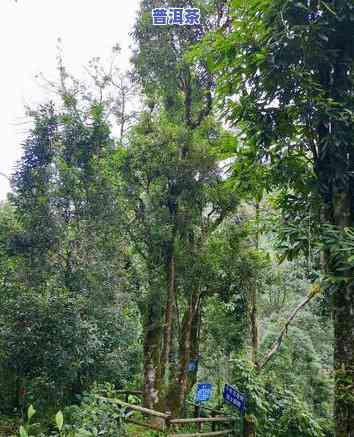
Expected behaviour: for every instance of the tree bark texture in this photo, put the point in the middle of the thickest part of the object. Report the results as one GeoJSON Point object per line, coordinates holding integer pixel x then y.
{"type": "Point", "coordinates": [249, 428]}
{"type": "Point", "coordinates": [152, 351]}
{"type": "Point", "coordinates": [344, 336]}
{"type": "Point", "coordinates": [334, 167]}
{"type": "Point", "coordinates": [178, 389]}
{"type": "Point", "coordinates": [169, 317]}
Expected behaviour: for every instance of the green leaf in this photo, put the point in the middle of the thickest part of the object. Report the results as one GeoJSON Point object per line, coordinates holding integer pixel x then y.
{"type": "Point", "coordinates": [30, 412]}
{"type": "Point", "coordinates": [59, 420]}
{"type": "Point", "coordinates": [83, 433]}
{"type": "Point", "coordinates": [351, 259]}
{"type": "Point", "coordinates": [23, 432]}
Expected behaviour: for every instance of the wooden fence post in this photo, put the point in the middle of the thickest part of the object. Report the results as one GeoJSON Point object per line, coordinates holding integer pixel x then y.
{"type": "Point", "coordinates": [213, 425]}
{"type": "Point", "coordinates": [168, 426]}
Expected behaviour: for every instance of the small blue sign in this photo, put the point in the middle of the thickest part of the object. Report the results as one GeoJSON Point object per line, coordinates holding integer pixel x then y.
{"type": "Point", "coordinates": [234, 398]}
{"type": "Point", "coordinates": [193, 366]}
{"type": "Point", "coordinates": [203, 393]}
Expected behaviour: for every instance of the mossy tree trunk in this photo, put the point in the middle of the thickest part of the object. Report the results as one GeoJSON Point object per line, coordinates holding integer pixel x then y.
{"type": "Point", "coordinates": [179, 387]}
{"type": "Point", "coordinates": [152, 351]}
{"type": "Point", "coordinates": [334, 167]}
{"type": "Point", "coordinates": [344, 332]}
{"type": "Point", "coordinates": [249, 428]}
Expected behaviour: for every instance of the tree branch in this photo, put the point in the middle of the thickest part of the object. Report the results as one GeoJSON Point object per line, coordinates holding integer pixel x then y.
{"type": "Point", "coordinates": [5, 176]}
{"type": "Point", "coordinates": [315, 289]}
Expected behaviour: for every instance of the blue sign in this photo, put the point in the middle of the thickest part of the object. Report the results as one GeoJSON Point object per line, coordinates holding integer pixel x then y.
{"type": "Point", "coordinates": [175, 16]}
{"type": "Point", "coordinates": [193, 366]}
{"type": "Point", "coordinates": [314, 16]}
{"type": "Point", "coordinates": [203, 393]}
{"type": "Point", "coordinates": [234, 398]}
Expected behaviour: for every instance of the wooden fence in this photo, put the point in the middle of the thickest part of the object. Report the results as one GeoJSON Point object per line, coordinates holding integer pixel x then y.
{"type": "Point", "coordinates": [168, 425]}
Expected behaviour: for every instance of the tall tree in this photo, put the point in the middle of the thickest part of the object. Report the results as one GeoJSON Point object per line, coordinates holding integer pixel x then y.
{"type": "Point", "coordinates": [182, 93]}
{"type": "Point", "coordinates": [173, 206]}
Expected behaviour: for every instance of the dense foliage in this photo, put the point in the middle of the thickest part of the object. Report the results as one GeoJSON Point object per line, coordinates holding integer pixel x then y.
{"type": "Point", "coordinates": [206, 236]}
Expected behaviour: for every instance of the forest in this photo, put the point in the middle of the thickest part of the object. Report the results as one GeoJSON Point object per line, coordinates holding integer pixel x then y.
{"type": "Point", "coordinates": [189, 221]}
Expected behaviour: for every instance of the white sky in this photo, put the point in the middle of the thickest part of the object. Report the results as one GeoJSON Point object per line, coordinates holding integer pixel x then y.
{"type": "Point", "coordinates": [29, 30]}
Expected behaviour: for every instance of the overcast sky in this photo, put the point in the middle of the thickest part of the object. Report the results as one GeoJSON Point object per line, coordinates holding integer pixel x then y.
{"type": "Point", "coordinates": [29, 30]}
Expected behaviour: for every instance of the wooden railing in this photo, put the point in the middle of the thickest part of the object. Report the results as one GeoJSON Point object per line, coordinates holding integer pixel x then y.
{"type": "Point", "coordinates": [168, 425]}
{"type": "Point", "coordinates": [199, 421]}
{"type": "Point", "coordinates": [145, 411]}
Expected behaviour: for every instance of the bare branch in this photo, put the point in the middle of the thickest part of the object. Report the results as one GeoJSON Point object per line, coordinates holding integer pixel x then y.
{"type": "Point", "coordinates": [5, 176]}
{"type": "Point", "coordinates": [315, 290]}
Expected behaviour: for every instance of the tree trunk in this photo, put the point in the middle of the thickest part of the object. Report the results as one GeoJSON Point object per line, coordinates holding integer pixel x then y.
{"type": "Point", "coordinates": [170, 310]}
{"type": "Point", "coordinates": [179, 388]}
{"type": "Point", "coordinates": [169, 316]}
{"type": "Point", "coordinates": [152, 352]}
{"type": "Point", "coordinates": [249, 428]}
{"type": "Point", "coordinates": [334, 167]}
{"type": "Point", "coordinates": [254, 325]}
{"type": "Point", "coordinates": [344, 361]}
{"type": "Point", "coordinates": [254, 322]}
{"type": "Point", "coordinates": [344, 332]}
{"type": "Point", "coordinates": [194, 355]}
